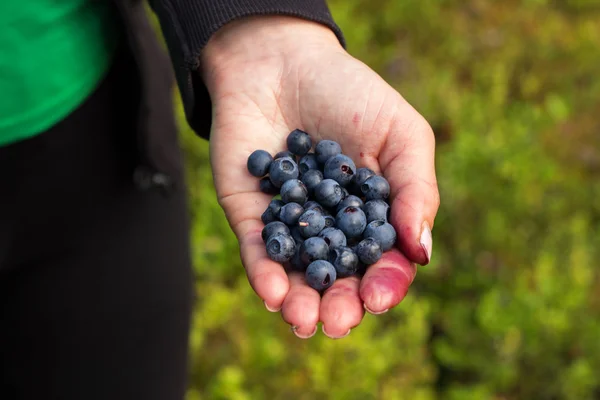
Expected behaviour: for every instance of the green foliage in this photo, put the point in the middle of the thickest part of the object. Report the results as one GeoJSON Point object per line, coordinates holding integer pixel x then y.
{"type": "Point", "coordinates": [510, 306]}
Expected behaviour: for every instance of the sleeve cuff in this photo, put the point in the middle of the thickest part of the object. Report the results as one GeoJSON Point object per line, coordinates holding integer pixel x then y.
{"type": "Point", "coordinates": [189, 24]}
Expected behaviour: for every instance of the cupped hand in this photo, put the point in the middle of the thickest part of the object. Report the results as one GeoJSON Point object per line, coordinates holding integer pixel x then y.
{"type": "Point", "coordinates": [270, 75]}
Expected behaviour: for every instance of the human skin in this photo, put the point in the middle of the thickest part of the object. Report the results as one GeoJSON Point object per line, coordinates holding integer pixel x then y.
{"type": "Point", "coordinates": [269, 75]}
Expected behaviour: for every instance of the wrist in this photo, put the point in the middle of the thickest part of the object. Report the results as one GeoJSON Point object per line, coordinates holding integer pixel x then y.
{"type": "Point", "coordinates": [262, 40]}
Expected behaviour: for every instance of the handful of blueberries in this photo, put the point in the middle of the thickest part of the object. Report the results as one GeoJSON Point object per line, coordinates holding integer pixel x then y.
{"type": "Point", "coordinates": [328, 219]}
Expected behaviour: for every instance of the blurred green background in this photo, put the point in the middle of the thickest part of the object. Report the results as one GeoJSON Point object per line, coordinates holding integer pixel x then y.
{"type": "Point", "coordinates": [509, 308]}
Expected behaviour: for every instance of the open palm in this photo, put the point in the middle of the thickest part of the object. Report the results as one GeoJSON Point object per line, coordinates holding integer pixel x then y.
{"type": "Point", "coordinates": [330, 95]}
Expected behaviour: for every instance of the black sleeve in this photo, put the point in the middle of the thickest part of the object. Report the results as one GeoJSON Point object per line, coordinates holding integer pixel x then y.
{"type": "Point", "coordinates": [187, 26]}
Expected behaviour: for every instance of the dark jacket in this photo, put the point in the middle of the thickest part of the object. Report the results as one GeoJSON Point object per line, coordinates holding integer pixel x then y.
{"type": "Point", "coordinates": [187, 25]}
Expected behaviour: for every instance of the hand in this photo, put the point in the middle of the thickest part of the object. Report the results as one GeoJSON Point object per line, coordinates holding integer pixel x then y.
{"type": "Point", "coordinates": [270, 75]}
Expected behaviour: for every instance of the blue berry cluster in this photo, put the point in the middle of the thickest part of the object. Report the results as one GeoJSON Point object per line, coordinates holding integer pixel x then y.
{"type": "Point", "coordinates": [328, 219]}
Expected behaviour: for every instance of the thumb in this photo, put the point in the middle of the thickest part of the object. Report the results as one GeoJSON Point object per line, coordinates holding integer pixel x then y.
{"type": "Point", "coordinates": [407, 160]}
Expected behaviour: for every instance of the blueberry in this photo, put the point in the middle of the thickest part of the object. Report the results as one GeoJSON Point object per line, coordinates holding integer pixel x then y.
{"type": "Point", "coordinates": [298, 142]}
{"type": "Point", "coordinates": [361, 175]}
{"type": "Point", "coordinates": [312, 249]}
{"type": "Point", "coordinates": [282, 170]}
{"type": "Point", "coordinates": [313, 205]}
{"type": "Point", "coordinates": [326, 149]}
{"type": "Point", "coordinates": [352, 221]}
{"type": "Point", "coordinates": [258, 163]}
{"type": "Point", "coordinates": [340, 168]}
{"type": "Point", "coordinates": [311, 179]}
{"type": "Point", "coordinates": [266, 186]}
{"type": "Point", "coordinates": [376, 209]}
{"type": "Point", "coordinates": [329, 221]}
{"type": "Point", "coordinates": [296, 263]}
{"type": "Point", "coordinates": [344, 260]}
{"type": "Point", "coordinates": [369, 251]}
{"type": "Point", "coordinates": [311, 223]}
{"type": "Point", "coordinates": [375, 188]}
{"type": "Point", "coordinates": [298, 238]}
{"type": "Point", "coordinates": [273, 228]}
{"type": "Point", "coordinates": [383, 232]}
{"type": "Point", "coordinates": [320, 275]}
{"type": "Point", "coordinates": [351, 200]}
{"type": "Point", "coordinates": [281, 247]}
{"type": "Point", "coordinates": [285, 153]}
{"type": "Point", "coordinates": [294, 191]}
{"type": "Point", "coordinates": [333, 237]}
{"type": "Point", "coordinates": [272, 212]}
{"type": "Point", "coordinates": [328, 193]}
{"type": "Point", "coordinates": [290, 213]}
{"type": "Point", "coordinates": [307, 163]}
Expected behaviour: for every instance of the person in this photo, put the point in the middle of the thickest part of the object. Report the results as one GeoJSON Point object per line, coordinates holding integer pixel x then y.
{"type": "Point", "coordinates": [96, 286]}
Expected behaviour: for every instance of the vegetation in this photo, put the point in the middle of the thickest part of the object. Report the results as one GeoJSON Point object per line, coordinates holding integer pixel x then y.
{"type": "Point", "coordinates": [510, 306]}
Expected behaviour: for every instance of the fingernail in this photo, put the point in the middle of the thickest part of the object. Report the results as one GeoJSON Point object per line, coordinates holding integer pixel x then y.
{"type": "Point", "coordinates": [334, 337]}
{"type": "Point", "coordinates": [375, 312]}
{"type": "Point", "coordinates": [426, 240]}
{"type": "Point", "coordinates": [271, 309]}
{"type": "Point", "coordinates": [294, 328]}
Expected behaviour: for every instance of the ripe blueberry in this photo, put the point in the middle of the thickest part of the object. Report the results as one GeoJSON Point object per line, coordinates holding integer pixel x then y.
{"type": "Point", "coordinates": [361, 175]}
{"type": "Point", "coordinates": [298, 142]}
{"type": "Point", "coordinates": [282, 170]}
{"type": "Point", "coordinates": [308, 162]}
{"type": "Point", "coordinates": [326, 149]}
{"type": "Point", "coordinates": [311, 223]}
{"type": "Point", "coordinates": [311, 179]}
{"type": "Point", "coordinates": [351, 200]}
{"type": "Point", "coordinates": [383, 232]}
{"type": "Point", "coordinates": [376, 188]}
{"type": "Point", "coordinates": [328, 193]}
{"type": "Point", "coordinates": [281, 247]}
{"type": "Point", "coordinates": [340, 168]}
{"type": "Point", "coordinates": [258, 163]}
{"type": "Point", "coordinates": [290, 213]}
{"type": "Point", "coordinates": [294, 191]}
{"type": "Point", "coordinates": [266, 186]}
{"type": "Point", "coordinates": [320, 275]}
{"type": "Point", "coordinates": [344, 260]}
{"type": "Point", "coordinates": [352, 221]}
{"type": "Point", "coordinates": [369, 251]}
{"type": "Point", "coordinates": [272, 228]}
{"type": "Point", "coordinates": [272, 212]}
{"type": "Point", "coordinates": [313, 248]}
{"type": "Point", "coordinates": [376, 209]}
{"type": "Point", "coordinates": [333, 237]}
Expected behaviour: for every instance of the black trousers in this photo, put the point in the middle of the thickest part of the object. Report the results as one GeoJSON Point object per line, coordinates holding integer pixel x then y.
{"type": "Point", "coordinates": [96, 283]}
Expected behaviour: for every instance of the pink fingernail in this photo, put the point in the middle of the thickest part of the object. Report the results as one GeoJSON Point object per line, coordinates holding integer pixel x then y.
{"type": "Point", "coordinates": [375, 312]}
{"type": "Point", "coordinates": [295, 330]}
{"type": "Point", "coordinates": [334, 337]}
{"type": "Point", "coordinates": [426, 240]}
{"type": "Point", "coordinates": [271, 309]}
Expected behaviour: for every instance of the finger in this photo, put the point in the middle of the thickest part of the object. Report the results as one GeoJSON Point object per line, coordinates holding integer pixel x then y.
{"type": "Point", "coordinates": [267, 277]}
{"type": "Point", "coordinates": [301, 307]}
{"type": "Point", "coordinates": [386, 282]}
{"type": "Point", "coordinates": [408, 162]}
{"type": "Point", "coordinates": [341, 308]}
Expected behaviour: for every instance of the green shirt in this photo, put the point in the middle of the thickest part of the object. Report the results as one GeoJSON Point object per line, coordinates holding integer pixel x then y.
{"type": "Point", "coordinates": [53, 54]}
